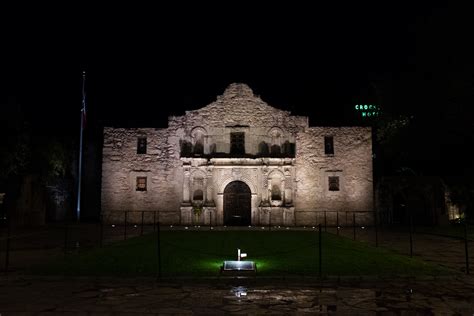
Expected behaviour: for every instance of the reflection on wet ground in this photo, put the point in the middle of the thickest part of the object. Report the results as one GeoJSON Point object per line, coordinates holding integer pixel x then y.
{"type": "Point", "coordinates": [53, 296]}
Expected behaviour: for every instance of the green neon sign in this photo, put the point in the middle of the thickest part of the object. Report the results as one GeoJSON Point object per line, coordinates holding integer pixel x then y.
{"type": "Point", "coordinates": [368, 110]}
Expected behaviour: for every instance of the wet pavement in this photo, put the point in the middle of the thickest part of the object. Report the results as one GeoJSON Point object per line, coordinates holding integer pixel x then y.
{"type": "Point", "coordinates": [450, 295]}
{"type": "Point", "coordinates": [85, 296]}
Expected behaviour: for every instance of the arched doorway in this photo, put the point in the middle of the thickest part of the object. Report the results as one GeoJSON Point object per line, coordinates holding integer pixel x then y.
{"type": "Point", "coordinates": [237, 204]}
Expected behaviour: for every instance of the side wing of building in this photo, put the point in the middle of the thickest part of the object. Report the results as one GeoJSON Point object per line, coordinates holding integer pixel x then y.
{"type": "Point", "coordinates": [334, 174]}
{"type": "Point", "coordinates": [140, 172]}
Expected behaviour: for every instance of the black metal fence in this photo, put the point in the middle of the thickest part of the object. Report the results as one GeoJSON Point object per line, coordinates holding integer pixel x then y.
{"type": "Point", "coordinates": [21, 247]}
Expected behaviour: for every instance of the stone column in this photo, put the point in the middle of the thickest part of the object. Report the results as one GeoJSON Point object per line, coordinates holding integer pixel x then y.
{"type": "Point", "coordinates": [220, 209]}
{"type": "Point", "coordinates": [186, 183]}
{"type": "Point", "coordinates": [253, 209]}
{"type": "Point", "coordinates": [209, 188]}
{"type": "Point", "coordinates": [282, 190]}
{"type": "Point", "coordinates": [265, 196]}
{"type": "Point", "coordinates": [204, 190]}
{"type": "Point", "coordinates": [269, 189]}
{"type": "Point", "coordinates": [288, 188]}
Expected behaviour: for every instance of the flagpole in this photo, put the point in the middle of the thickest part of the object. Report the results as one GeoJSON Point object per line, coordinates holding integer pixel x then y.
{"type": "Point", "coordinates": [78, 211]}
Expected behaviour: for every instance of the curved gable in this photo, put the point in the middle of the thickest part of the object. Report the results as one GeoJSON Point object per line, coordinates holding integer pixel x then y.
{"type": "Point", "coordinates": [239, 106]}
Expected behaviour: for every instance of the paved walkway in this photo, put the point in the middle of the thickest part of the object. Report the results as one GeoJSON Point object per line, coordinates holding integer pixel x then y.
{"type": "Point", "coordinates": [446, 251]}
{"type": "Point", "coordinates": [79, 296]}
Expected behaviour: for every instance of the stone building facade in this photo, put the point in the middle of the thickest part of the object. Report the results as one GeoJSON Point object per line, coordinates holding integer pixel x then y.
{"type": "Point", "coordinates": [237, 161]}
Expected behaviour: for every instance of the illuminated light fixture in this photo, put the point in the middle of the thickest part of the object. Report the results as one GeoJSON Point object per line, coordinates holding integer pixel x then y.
{"type": "Point", "coordinates": [288, 228]}
{"type": "Point", "coordinates": [313, 227]}
{"type": "Point", "coordinates": [186, 227]}
{"type": "Point", "coordinates": [250, 226]}
{"type": "Point", "coordinates": [263, 227]}
{"type": "Point", "coordinates": [338, 227]}
{"type": "Point", "coordinates": [113, 225]}
{"type": "Point", "coordinates": [135, 226]}
{"type": "Point", "coordinates": [171, 226]}
{"type": "Point", "coordinates": [363, 227]}
{"type": "Point", "coordinates": [239, 265]}
{"type": "Point", "coordinates": [212, 228]}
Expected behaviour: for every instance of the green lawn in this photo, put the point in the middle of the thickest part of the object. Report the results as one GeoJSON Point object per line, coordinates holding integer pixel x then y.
{"type": "Point", "coordinates": [280, 253]}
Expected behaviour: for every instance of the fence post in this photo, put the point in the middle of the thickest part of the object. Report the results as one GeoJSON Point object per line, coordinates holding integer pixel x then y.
{"type": "Point", "coordinates": [158, 248]}
{"type": "Point", "coordinates": [325, 222]}
{"type": "Point", "coordinates": [66, 235]}
{"type": "Point", "coordinates": [320, 252]}
{"type": "Point", "coordinates": [210, 219]}
{"type": "Point", "coordinates": [125, 225]}
{"type": "Point", "coordinates": [411, 234]}
{"type": "Point", "coordinates": [466, 240]}
{"type": "Point", "coordinates": [141, 231]}
{"type": "Point", "coordinates": [101, 232]}
{"type": "Point", "coordinates": [354, 224]}
{"type": "Point", "coordinates": [269, 220]}
{"type": "Point", "coordinates": [376, 229]}
{"type": "Point", "coordinates": [337, 222]}
{"type": "Point", "coordinates": [7, 250]}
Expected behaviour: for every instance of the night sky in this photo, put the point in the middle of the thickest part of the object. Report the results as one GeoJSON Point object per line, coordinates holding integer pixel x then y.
{"type": "Point", "coordinates": [144, 64]}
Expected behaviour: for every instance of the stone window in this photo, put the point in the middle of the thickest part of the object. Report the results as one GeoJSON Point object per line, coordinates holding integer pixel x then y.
{"type": "Point", "coordinates": [333, 183]}
{"type": "Point", "coordinates": [288, 149]}
{"type": "Point", "coordinates": [276, 138]}
{"type": "Point", "coordinates": [198, 148]}
{"type": "Point", "coordinates": [329, 145]}
{"type": "Point", "coordinates": [198, 135]}
{"type": "Point", "coordinates": [198, 143]}
{"type": "Point", "coordinates": [276, 150]}
{"type": "Point", "coordinates": [186, 148]}
{"type": "Point", "coordinates": [141, 184]}
{"type": "Point", "coordinates": [237, 143]}
{"type": "Point", "coordinates": [141, 145]}
{"type": "Point", "coordinates": [263, 149]}
{"type": "Point", "coordinates": [198, 195]}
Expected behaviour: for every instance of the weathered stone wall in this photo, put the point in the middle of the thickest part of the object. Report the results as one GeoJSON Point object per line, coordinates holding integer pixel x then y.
{"type": "Point", "coordinates": [171, 175]}
{"type": "Point", "coordinates": [121, 165]}
{"type": "Point", "coordinates": [351, 162]}
{"type": "Point", "coordinates": [237, 110]}
{"type": "Point", "coordinates": [238, 106]}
